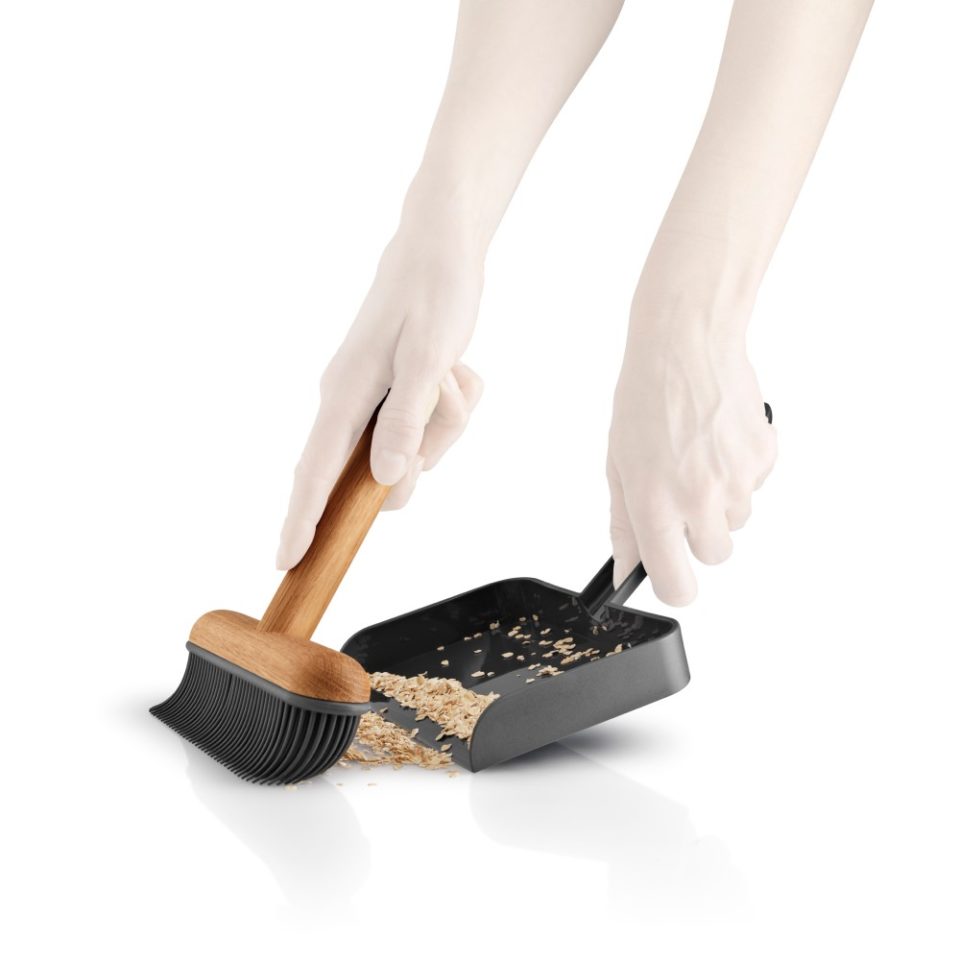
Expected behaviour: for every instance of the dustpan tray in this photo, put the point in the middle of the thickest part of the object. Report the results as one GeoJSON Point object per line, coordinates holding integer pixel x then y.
{"type": "Point", "coordinates": [622, 659]}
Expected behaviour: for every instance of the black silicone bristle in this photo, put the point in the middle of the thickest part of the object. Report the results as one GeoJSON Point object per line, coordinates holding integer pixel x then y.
{"type": "Point", "coordinates": [257, 730]}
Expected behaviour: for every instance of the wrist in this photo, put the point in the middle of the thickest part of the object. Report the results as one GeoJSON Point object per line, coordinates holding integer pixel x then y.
{"type": "Point", "coordinates": [694, 292]}
{"type": "Point", "coordinates": [672, 325]}
{"type": "Point", "coordinates": [673, 361]}
{"type": "Point", "coordinates": [449, 209]}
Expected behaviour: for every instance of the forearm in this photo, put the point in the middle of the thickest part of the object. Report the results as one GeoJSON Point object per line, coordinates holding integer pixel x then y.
{"type": "Point", "coordinates": [514, 64]}
{"type": "Point", "coordinates": [783, 64]}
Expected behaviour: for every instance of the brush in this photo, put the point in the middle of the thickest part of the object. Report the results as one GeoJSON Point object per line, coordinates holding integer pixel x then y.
{"type": "Point", "coordinates": [258, 695]}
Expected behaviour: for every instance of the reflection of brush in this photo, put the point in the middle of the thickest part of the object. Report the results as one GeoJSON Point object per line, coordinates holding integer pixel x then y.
{"type": "Point", "coordinates": [259, 696]}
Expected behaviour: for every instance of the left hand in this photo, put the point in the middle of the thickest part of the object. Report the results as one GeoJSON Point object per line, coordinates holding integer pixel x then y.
{"type": "Point", "coordinates": [689, 444]}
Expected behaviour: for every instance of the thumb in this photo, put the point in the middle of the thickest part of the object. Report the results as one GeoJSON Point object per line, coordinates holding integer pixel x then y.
{"type": "Point", "coordinates": [400, 425]}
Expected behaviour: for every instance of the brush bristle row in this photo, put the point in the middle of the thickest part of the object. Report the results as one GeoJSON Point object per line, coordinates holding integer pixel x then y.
{"type": "Point", "coordinates": [254, 733]}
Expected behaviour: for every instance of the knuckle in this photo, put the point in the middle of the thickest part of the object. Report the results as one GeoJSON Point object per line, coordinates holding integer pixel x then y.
{"type": "Point", "coordinates": [307, 469]}
{"type": "Point", "coordinates": [737, 516]}
{"type": "Point", "coordinates": [620, 531]}
{"type": "Point", "coordinates": [454, 416]}
{"type": "Point", "coordinates": [740, 487]}
{"type": "Point", "coordinates": [421, 357]}
{"type": "Point", "coordinates": [399, 425]}
{"type": "Point", "coordinates": [333, 374]}
{"type": "Point", "coordinates": [658, 517]}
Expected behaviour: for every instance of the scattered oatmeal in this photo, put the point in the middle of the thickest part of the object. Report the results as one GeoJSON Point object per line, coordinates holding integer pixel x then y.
{"type": "Point", "coordinates": [378, 741]}
{"type": "Point", "coordinates": [507, 655]}
{"type": "Point", "coordinates": [447, 702]}
{"type": "Point", "coordinates": [548, 671]}
{"type": "Point", "coordinates": [477, 673]}
{"type": "Point", "coordinates": [444, 663]}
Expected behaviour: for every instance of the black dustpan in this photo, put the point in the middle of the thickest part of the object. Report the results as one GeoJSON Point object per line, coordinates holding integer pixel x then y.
{"type": "Point", "coordinates": [620, 659]}
{"type": "Point", "coordinates": [625, 659]}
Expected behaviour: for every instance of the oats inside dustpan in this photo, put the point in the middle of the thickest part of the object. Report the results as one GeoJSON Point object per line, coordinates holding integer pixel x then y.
{"type": "Point", "coordinates": [445, 701]}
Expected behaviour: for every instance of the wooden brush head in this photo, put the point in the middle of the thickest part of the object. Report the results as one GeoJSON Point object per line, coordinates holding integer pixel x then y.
{"type": "Point", "coordinates": [297, 665]}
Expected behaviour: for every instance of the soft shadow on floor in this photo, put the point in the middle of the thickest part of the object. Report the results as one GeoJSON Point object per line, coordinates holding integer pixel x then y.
{"type": "Point", "coordinates": [560, 801]}
{"type": "Point", "coordinates": [309, 836]}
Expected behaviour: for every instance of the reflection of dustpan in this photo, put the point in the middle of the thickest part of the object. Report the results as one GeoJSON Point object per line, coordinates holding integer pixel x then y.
{"type": "Point", "coordinates": [614, 659]}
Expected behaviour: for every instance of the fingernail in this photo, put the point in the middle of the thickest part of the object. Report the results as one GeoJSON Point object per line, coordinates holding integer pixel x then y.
{"type": "Point", "coordinates": [388, 467]}
{"type": "Point", "coordinates": [678, 599]}
{"type": "Point", "coordinates": [287, 555]}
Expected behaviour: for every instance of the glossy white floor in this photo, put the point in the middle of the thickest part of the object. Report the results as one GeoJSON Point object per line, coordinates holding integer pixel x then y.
{"type": "Point", "coordinates": [175, 275]}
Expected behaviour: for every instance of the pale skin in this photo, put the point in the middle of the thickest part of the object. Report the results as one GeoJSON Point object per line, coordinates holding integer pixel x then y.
{"type": "Point", "coordinates": [688, 443]}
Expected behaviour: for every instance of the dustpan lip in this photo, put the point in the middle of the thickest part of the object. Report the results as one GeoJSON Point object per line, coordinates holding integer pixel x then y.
{"type": "Point", "coordinates": [574, 594]}
{"type": "Point", "coordinates": [661, 662]}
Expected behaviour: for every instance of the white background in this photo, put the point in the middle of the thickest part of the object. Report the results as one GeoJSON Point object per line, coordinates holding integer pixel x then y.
{"type": "Point", "coordinates": [193, 197]}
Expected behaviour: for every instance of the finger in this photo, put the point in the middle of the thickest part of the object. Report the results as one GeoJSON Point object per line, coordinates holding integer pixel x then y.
{"type": "Point", "coordinates": [768, 456]}
{"type": "Point", "coordinates": [401, 421]}
{"type": "Point", "coordinates": [401, 492]}
{"type": "Point", "coordinates": [762, 476]}
{"type": "Point", "coordinates": [664, 556]}
{"type": "Point", "coordinates": [709, 536]}
{"type": "Point", "coordinates": [447, 423]}
{"type": "Point", "coordinates": [738, 513]}
{"type": "Point", "coordinates": [471, 386]}
{"type": "Point", "coordinates": [334, 434]}
{"type": "Point", "coordinates": [626, 556]}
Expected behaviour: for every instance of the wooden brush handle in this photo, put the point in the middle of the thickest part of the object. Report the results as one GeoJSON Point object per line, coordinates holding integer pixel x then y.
{"type": "Point", "coordinates": [308, 588]}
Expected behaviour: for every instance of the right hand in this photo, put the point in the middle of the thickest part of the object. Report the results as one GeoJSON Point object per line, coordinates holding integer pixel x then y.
{"type": "Point", "coordinates": [408, 337]}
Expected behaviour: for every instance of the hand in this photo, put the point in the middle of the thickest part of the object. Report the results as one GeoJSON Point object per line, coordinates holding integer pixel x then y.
{"type": "Point", "coordinates": [689, 444]}
{"type": "Point", "coordinates": [408, 337]}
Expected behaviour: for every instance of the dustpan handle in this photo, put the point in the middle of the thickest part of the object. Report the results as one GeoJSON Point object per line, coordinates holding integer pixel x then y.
{"type": "Point", "coordinates": [600, 591]}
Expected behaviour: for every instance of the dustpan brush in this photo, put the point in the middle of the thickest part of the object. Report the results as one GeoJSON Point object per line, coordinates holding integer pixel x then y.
{"type": "Point", "coordinates": [257, 695]}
